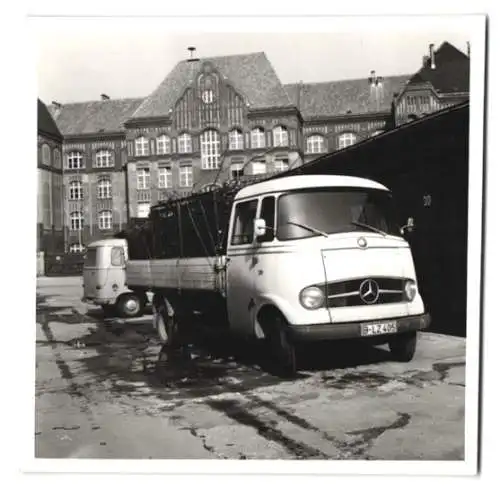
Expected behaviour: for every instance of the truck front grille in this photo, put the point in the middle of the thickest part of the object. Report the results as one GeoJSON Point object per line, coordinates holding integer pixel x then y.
{"type": "Point", "coordinates": [347, 293]}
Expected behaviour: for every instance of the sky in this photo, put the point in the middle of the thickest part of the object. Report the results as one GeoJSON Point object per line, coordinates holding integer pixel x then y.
{"type": "Point", "coordinates": [77, 59]}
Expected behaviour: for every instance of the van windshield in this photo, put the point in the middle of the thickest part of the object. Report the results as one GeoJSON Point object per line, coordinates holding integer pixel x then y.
{"type": "Point", "coordinates": [321, 211]}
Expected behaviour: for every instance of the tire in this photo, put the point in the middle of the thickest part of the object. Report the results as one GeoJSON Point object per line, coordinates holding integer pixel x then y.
{"type": "Point", "coordinates": [282, 346]}
{"type": "Point", "coordinates": [166, 323]}
{"type": "Point", "coordinates": [130, 305]}
{"type": "Point", "coordinates": [403, 346]}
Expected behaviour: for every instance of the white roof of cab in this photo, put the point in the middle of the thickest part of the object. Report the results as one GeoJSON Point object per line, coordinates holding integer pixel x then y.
{"type": "Point", "coordinates": [108, 242]}
{"type": "Point", "coordinates": [305, 182]}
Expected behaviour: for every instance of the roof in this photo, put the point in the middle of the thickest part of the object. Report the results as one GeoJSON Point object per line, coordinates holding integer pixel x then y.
{"type": "Point", "coordinates": [46, 123]}
{"type": "Point", "coordinates": [93, 116]}
{"type": "Point", "coordinates": [337, 98]}
{"type": "Point", "coordinates": [252, 75]}
{"type": "Point", "coordinates": [451, 74]}
{"type": "Point", "coordinates": [302, 182]}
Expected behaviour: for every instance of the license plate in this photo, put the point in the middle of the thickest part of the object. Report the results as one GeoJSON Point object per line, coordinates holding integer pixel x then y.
{"type": "Point", "coordinates": [376, 328]}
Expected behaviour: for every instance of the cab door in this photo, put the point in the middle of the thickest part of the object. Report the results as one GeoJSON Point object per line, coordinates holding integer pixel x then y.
{"type": "Point", "coordinates": [95, 272]}
{"type": "Point", "coordinates": [241, 265]}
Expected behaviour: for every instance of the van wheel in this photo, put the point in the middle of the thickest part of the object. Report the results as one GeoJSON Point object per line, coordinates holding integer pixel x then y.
{"type": "Point", "coordinates": [403, 346]}
{"type": "Point", "coordinates": [165, 323]}
{"type": "Point", "coordinates": [129, 305]}
{"type": "Point", "coordinates": [282, 347]}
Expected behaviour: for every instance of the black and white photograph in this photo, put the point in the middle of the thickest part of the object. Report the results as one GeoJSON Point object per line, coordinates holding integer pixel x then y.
{"type": "Point", "coordinates": [257, 245]}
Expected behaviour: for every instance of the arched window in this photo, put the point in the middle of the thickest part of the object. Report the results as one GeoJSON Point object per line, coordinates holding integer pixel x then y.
{"type": "Point", "coordinates": [184, 143]}
{"type": "Point", "coordinates": [258, 138]}
{"type": "Point", "coordinates": [141, 146]}
{"type": "Point", "coordinates": [346, 139]}
{"type": "Point", "coordinates": [74, 160]}
{"type": "Point", "coordinates": [76, 248]}
{"type": "Point", "coordinates": [315, 144]}
{"type": "Point", "coordinates": [103, 158]}
{"type": "Point", "coordinates": [76, 220]}
{"type": "Point", "coordinates": [104, 188]}
{"type": "Point", "coordinates": [210, 145]}
{"type": "Point", "coordinates": [75, 190]}
{"type": "Point", "coordinates": [235, 140]}
{"type": "Point", "coordinates": [163, 145]}
{"type": "Point", "coordinates": [105, 220]}
{"type": "Point", "coordinates": [45, 154]}
{"type": "Point", "coordinates": [57, 158]}
{"type": "Point", "coordinates": [280, 136]}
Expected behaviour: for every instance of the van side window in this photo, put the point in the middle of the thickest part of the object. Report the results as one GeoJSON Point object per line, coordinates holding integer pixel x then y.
{"type": "Point", "coordinates": [117, 256]}
{"type": "Point", "coordinates": [267, 212]}
{"type": "Point", "coordinates": [243, 222]}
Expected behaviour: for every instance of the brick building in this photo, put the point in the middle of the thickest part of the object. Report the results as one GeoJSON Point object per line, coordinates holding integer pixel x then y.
{"type": "Point", "coordinates": [214, 119]}
{"type": "Point", "coordinates": [50, 237]}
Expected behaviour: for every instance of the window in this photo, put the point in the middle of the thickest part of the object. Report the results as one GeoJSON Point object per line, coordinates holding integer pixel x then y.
{"type": "Point", "coordinates": [75, 190]}
{"type": "Point", "coordinates": [315, 144]}
{"type": "Point", "coordinates": [243, 223]}
{"type": "Point", "coordinates": [76, 220]}
{"type": "Point", "coordinates": [207, 96]}
{"type": "Point", "coordinates": [45, 154]}
{"type": "Point", "coordinates": [104, 188]}
{"type": "Point", "coordinates": [281, 165]}
{"type": "Point", "coordinates": [346, 140]}
{"type": "Point", "coordinates": [141, 146]}
{"type": "Point", "coordinates": [258, 138]}
{"type": "Point", "coordinates": [210, 149]}
{"type": "Point", "coordinates": [185, 176]}
{"type": "Point", "coordinates": [236, 170]}
{"type": "Point", "coordinates": [143, 210]}
{"type": "Point", "coordinates": [143, 179]}
{"type": "Point", "coordinates": [165, 177]}
{"type": "Point", "coordinates": [267, 212]}
{"type": "Point", "coordinates": [259, 168]}
{"type": "Point", "coordinates": [76, 248]}
{"type": "Point", "coordinates": [163, 145]}
{"type": "Point", "coordinates": [184, 143]}
{"type": "Point", "coordinates": [105, 220]}
{"type": "Point", "coordinates": [117, 256]}
{"type": "Point", "coordinates": [235, 140]}
{"type": "Point", "coordinates": [103, 158]}
{"type": "Point", "coordinates": [74, 160]}
{"type": "Point", "coordinates": [57, 159]}
{"type": "Point", "coordinates": [280, 136]}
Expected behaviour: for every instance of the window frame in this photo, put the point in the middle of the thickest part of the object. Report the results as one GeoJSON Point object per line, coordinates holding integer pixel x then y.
{"type": "Point", "coordinates": [236, 136]}
{"type": "Point", "coordinates": [70, 160]}
{"type": "Point", "coordinates": [76, 217]}
{"type": "Point", "coordinates": [164, 142]}
{"type": "Point", "coordinates": [143, 178]}
{"type": "Point", "coordinates": [109, 188]}
{"type": "Point", "coordinates": [121, 256]}
{"type": "Point", "coordinates": [103, 163]}
{"type": "Point", "coordinates": [278, 136]}
{"type": "Point", "coordinates": [257, 134]}
{"type": "Point", "coordinates": [315, 144]}
{"type": "Point", "coordinates": [46, 155]}
{"type": "Point", "coordinates": [210, 149]}
{"type": "Point", "coordinates": [234, 226]}
{"type": "Point", "coordinates": [81, 248]}
{"type": "Point", "coordinates": [342, 136]}
{"type": "Point", "coordinates": [141, 146]}
{"type": "Point", "coordinates": [185, 143]}
{"type": "Point", "coordinates": [167, 172]}
{"type": "Point", "coordinates": [270, 234]}
{"type": "Point", "coordinates": [75, 189]}
{"type": "Point", "coordinates": [105, 222]}
{"type": "Point", "coordinates": [183, 174]}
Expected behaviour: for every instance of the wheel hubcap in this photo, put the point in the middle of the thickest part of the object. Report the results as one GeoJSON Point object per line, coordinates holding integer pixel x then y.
{"type": "Point", "coordinates": [131, 305]}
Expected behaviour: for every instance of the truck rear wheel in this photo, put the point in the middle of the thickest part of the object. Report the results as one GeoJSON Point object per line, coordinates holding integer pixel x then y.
{"type": "Point", "coordinates": [282, 346]}
{"type": "Point", "coordinates": [130, 305]}
{"type": "Point", "coordinates": [165, 323]}
{"type": "Point", "coordinates": [403, 346]}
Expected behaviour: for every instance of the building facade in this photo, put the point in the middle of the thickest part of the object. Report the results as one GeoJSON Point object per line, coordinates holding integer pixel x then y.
{"type": "Point", "coordinates": [50, 210]}
{"type": "Point", "coordinates": [216, 119]}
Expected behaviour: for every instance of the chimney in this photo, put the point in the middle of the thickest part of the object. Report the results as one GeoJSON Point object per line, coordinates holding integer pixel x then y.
{"type": "Point", "coordinates": [425, 60]}
{"type": "Point", "coordinates": [372, 78]}
{"type": "Point", "coordinates": [191, 50]}
{"type": "Point", "coordinates": [104, 97]}
{"type": "Point", "coordinates": [432, 56]}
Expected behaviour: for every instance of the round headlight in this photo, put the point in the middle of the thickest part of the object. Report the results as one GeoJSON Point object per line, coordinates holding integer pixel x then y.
{"type": "Point", "coordinates": [410, 290]}
{"type": "Point", "coordinates": [312, 297]}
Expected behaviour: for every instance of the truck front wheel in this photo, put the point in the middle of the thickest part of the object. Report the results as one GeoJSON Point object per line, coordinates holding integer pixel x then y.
{"type": "Point", "coordinates": [282, 346]}
{"type": "Point", "coordinates": [403, 346]}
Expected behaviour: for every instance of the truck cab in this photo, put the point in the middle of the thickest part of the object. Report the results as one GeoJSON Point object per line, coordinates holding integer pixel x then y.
{"type": "Point", "coordinates": [104, 280]}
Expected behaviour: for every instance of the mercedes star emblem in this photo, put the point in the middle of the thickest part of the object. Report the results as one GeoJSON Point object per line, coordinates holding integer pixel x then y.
{"type": "Point", "coordinates": [362, 242]}
{"type": "Point", "coordinates": [369, 291]}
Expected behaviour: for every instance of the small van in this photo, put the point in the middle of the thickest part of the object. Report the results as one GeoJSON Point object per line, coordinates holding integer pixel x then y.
{"type": "Point", "coordinates": [104, 281]}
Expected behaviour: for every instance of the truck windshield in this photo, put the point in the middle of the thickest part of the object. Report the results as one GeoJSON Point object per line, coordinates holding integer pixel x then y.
{"type": "Point", "coordinates": [330, 211]}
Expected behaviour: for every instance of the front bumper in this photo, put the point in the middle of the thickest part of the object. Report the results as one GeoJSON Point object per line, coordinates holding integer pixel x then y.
{"type": "Point", "coordinates": [352, 330]}
{"type": "Point", "coordinates": [98, 301]}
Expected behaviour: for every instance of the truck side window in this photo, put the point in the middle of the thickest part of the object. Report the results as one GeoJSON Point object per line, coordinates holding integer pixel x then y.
{"type": "Point", "coordinates": [267, 212]}
{"type": "Point", "coordinates": [117, 256]}
{"type": "Point", "coordinates": [243, 222]}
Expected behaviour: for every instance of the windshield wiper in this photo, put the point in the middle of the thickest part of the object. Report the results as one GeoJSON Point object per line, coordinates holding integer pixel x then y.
{"type": "Point", "coordinates": [369, 227]}
{"type": "Point", "coordinates": [308, 227]}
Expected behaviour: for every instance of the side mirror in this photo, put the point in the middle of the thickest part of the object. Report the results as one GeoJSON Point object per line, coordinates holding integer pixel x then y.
{"type": "Point", "coordinates": [410, 225]}
{"type": "Point", "coordinates": [259, 227]}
